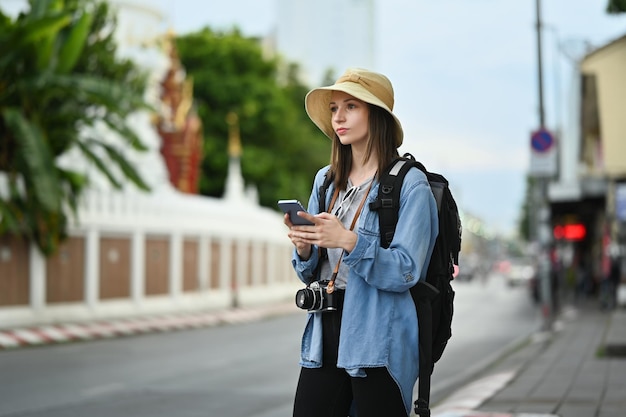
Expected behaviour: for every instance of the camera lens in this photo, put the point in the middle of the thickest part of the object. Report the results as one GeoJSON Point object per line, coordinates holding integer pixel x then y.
{"type": "Point", "coordinates": [305, 298]}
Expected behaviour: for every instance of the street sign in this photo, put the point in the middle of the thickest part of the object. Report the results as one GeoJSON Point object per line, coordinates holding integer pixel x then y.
{"type": "Point", "coordinates": [543, 155]}
{"type": "Point", "coordinates": [541, 141]}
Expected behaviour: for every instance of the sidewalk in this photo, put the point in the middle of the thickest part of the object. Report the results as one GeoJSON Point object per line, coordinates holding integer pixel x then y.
{"type": "Point", "coordinates": [576, 370]}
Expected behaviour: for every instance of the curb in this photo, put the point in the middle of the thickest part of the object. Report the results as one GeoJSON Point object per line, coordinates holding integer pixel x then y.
{"type": "Point", "coordinates": [107, 329]}
{"type": "Point", "coordinates": [442, 390]}
{"type": "Point", "coordinates": [463, 394]}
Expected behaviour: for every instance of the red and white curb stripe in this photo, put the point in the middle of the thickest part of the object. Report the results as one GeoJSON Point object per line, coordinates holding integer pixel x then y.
{"type": "Point", "coordinates": [69, 332]}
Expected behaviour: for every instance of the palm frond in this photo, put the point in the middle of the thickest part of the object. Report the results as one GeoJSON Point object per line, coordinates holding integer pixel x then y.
{"type": "Point", "coordinates": [98, 91]}
{"type": "Point", "coordinates": [39, 8]}
{"type": "Point", "coordinates": [84, 147]}
{"type": "Point", "coordinates": [616, 6]}
{"type": "Point", "coordinates": [32, 30]}
{"type": "Point", "coordinates": [9, 222]}
{"type": "Point", "coordinates": [128, 170]}
{"type": "Point", "coordinates": [74, 182]}
{"type": "Point", "coordinates": [120, 126]}
{"type": "Point", "coordinates": [74, 43]}
{"type": "Point", "coordinates": [34, 154]}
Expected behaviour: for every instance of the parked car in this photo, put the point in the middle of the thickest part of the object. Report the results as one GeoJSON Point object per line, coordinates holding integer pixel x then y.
{"type": "Point", "coordinates": [518, 271]}
{"type": "Point", "coordinates": [470, 267]}
{"type": "Point", "coordinates": [466, 273]}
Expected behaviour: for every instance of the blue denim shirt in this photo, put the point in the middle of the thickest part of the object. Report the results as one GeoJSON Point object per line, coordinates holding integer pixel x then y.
{"type": "Point", "coordinates": [379, 324]}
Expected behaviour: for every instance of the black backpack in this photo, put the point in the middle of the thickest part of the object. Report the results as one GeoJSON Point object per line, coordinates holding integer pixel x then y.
{"type": "Point", "coordinates": [434, 297]}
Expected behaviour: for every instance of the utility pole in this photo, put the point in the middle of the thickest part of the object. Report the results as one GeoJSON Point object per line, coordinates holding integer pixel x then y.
{"type": "Point", "coordinates": [542, 225]}
{"type": "Point", "coordinates": [539, 27]}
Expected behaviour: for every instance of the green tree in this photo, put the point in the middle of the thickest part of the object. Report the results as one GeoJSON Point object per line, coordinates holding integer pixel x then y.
{"type": "Point", "coordinates": [282, 149]}
{"type": "Point", "coordinates": [525, 222]}
{"type": "Point", "coordinates": [616, 6]}
{"type": "Point", "coordinates": [59, 76]}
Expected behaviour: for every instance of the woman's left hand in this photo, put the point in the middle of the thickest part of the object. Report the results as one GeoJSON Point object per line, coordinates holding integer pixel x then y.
{"type": "Point", "coordinates": [328, 232]}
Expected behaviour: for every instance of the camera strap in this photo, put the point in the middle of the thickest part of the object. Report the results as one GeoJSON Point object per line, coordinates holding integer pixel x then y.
{"type": "Point", "coordinates": [331, 284]}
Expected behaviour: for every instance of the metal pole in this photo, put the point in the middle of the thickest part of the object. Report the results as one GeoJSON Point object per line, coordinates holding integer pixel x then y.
{"type": "Point", "coordinates": [543, 208]}
{"type": "Point", "coordinates": [542, 118]}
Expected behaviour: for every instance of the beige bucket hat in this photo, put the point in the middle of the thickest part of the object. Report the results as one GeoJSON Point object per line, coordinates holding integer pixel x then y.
{"type": "Point", "coordinates": [370, 87]}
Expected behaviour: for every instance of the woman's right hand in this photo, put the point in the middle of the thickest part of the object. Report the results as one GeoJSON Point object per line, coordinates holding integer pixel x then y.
{"type": "Point", "coordinates": [302, 247]}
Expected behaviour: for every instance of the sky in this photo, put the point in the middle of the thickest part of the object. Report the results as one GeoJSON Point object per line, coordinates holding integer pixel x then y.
{"type": "Point", "coordinates": [465, 79]}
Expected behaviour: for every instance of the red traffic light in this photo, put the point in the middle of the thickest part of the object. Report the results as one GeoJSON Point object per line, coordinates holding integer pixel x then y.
{"type": "Point", "coordinates": [576, 231]}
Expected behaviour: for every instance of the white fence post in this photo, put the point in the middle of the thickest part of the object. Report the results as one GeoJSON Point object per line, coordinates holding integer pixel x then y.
{"type": "Point", "coordinates": [37, 265]}
{"type": "Point", "coordinates": [176, 265]}
{"type": "Point", "coordinates": [225, 278]}
{"type": "Point", "coordinates": [138, 269]}
{"type": "Point", "coordinates": [92, 270]}
{"type": "Point", "coordinates": [204, 262]}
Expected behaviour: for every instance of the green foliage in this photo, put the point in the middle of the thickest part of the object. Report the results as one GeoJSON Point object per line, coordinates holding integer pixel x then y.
{"type": "Point", "coordinates": [58, 75]}
{"type": "Point", "coordinates": [282, 148]}
{"type": "Point", "coordinates": [525, 223]}
{"type": "Point", "coordinates": [616, 6]}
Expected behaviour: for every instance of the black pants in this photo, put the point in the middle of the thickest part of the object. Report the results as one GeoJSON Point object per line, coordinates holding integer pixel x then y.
{"type": "Point", "coordinates": [330, 392]}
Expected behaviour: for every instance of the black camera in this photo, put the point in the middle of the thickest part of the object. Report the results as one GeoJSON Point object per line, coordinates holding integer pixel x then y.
{"type": "Point", "coordinates": [315, 298]}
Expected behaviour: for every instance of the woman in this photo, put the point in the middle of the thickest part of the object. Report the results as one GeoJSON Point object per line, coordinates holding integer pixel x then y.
{"type": "Point", "coordinates": [364, 354]}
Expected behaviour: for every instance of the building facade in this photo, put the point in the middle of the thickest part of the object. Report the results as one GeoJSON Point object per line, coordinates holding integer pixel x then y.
{"type": "Point", "coordinates": [588, 199]}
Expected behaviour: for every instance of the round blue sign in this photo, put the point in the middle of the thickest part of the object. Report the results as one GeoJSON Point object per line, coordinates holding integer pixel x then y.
{"type": "Point", "coordinates": [541, 140]}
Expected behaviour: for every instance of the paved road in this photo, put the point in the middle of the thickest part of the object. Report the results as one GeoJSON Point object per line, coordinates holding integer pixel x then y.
{"type": "Point", "coordinates": [230, 371]}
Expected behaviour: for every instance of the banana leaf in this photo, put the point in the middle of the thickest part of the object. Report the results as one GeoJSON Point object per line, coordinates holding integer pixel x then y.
{"type": "Point", "coordinates": [35, 156]}
{"type": "Point", "coordinates": [616, 6]}
{"type": "Point", "coordinates": [128, 170]}
{"type": "Point", "coordinates": [74, 43]}
{"type": "Point", "coordinates": [97, 161]}
{"type": "Point", "coordinates": [39, 8]}
{"type": "Point", "coordinates": [9, 222]}
{"type": "Point", "coordinates": [111, 94]}
{"type": "Point", "coordinates": [74, 183]}
{"type": "Point", "coordinates": [128, 134]}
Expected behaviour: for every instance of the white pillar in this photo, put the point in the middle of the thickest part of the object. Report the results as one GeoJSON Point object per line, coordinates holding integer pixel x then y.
{"type": "Point", "coordinates": [92, 270]}
{"type": "Point", "coordinates": [225, 264]}
{"type": "Point", "coordinates": [273, 272]}
{"type": "Point", "coordinates": [176, 265]}
{"type": "Point", "coordinates": [241, 263]}
{"type": "Point", "coordinates": [37, 265]}
{"type": "Point", "coordinates": [257, 262]}
{"type": "Point", "coordinates": [282, 257]}
{"type": "Point", "coordinates": [138, 267]}
{"type": "Point", "coordinates": [204, 261]}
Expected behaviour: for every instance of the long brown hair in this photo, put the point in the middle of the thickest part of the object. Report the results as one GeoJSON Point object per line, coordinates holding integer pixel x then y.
{"type": "Point", "coordinates": [382, 141]}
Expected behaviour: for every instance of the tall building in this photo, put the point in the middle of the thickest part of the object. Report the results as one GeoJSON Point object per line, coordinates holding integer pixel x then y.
{"type": "Point", "coordinates": [326, 35]}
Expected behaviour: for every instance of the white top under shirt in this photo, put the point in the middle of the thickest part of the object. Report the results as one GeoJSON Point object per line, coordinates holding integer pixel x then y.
{"type": "Point", "coordinates": [346, 217]}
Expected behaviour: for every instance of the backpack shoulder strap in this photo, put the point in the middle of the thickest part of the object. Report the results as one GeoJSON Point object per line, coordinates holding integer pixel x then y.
{"type": "Point", "coordinates": [321, 196]}
{"type": "Point", "coordinates": [388, 202]}
{"type": "Point", "coordinates": [322, 191]}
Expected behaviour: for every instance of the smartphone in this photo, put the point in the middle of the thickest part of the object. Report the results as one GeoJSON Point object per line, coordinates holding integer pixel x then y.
{"type": "Point", "coordinates": [292, 207]}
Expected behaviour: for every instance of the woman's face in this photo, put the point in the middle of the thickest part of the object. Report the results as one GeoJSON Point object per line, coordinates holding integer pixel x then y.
{"type": "Point", "coordinates": [350, 118]}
